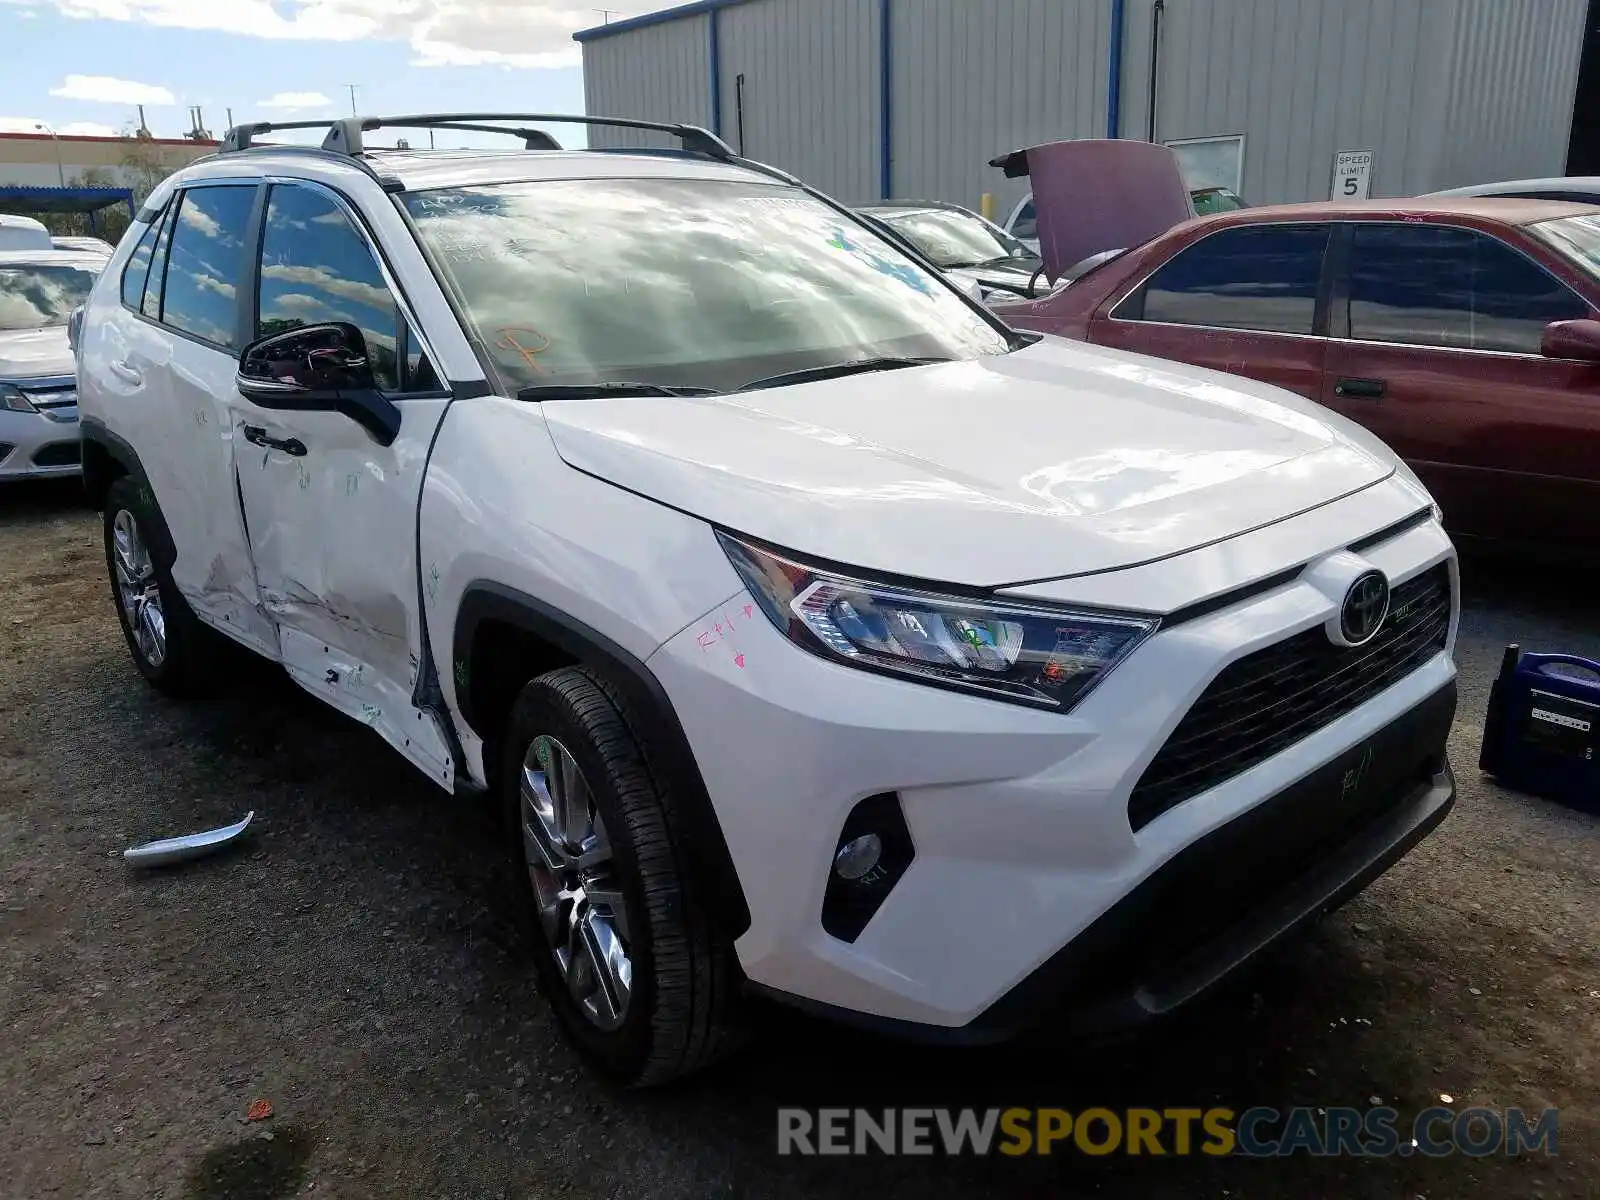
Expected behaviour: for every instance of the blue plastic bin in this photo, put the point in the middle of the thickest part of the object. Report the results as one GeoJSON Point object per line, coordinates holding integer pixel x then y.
{"type": "Point", "coordinates": [1543, 730]}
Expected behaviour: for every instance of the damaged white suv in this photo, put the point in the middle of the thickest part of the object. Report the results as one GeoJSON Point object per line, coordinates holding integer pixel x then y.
{"type": "Point", "coordinates": [824, 637]}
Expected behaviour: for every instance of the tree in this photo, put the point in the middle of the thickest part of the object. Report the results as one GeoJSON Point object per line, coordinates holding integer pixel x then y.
{"type": "Point", "coordinates": [142, 168]}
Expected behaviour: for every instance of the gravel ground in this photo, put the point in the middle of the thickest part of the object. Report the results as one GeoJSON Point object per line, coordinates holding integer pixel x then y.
{"type": "Point", "coordinates": [354, 966]}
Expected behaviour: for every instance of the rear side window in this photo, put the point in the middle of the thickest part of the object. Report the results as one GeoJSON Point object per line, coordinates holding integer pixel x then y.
{"type": "Point", "coordinates": [151, 304]}
{"type": "Point", "coordinates": [1432, 285]}
{"type": "Point", "coordinates": [316, 267]}
{"type": "Point", "coordinates": [137, 271]}
{"type": "Point", "coordinates": [1255, 277]}
{"type": "Point", "coordinates": [206, 263]}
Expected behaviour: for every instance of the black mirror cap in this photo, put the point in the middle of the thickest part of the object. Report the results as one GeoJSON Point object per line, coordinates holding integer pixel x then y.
{"type": "Point", "coordinates": [309, 359]}
{"type": "Point", "coordinates": [318, 368]}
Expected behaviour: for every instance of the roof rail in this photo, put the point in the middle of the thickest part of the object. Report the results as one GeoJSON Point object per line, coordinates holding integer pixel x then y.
{"type": "Point", "coordinates": [344, 136]}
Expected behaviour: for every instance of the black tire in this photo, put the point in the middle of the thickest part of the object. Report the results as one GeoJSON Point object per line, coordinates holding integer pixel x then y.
{"type": "Point", "coordinates": [189, 644]}
{"type": "Point", "coordinates": [682, 1012]}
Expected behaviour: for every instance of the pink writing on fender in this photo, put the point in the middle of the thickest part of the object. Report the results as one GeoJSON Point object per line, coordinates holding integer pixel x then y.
{"type": "Point", "coordinates": [705, 640]}
{"type": "Point", "coordinates": [738, 660]}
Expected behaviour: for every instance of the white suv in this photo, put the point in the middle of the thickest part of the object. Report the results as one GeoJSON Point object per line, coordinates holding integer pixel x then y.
{"type": "Point", "coordinates": [824, 637]}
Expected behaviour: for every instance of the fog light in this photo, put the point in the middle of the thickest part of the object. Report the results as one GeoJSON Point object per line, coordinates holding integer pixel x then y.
{"type": "Point", "coordinates": [872, 853]}
{"type": "Point", "coordinates": [857, 858]}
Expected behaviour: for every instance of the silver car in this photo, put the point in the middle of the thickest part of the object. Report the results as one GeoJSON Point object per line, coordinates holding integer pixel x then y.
{"type": "Point", "coordinates": [38, 385]}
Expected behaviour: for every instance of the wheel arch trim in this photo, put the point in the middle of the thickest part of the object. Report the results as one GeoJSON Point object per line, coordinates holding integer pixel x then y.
{"type": "Point", "coordinates": [666, 744]}
{"type": "Point", "coordinates": [93, 431]}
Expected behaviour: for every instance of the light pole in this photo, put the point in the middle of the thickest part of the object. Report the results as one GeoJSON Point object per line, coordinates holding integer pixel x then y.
{"type": "Point", "coordinates": [61, 171]}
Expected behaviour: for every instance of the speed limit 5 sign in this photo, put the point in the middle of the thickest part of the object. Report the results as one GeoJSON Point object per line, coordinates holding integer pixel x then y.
{"type": "Point", "coordinates": [1352, 175]}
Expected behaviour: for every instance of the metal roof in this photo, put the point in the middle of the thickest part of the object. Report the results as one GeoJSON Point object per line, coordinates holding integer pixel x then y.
{"type": "Point", "coordinates": [64, 199]}
{"type": "Point", "coordinates": [646, 20]}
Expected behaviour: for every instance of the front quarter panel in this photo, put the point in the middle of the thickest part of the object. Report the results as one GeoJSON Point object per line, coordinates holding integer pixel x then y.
{"type": "Point", "coordinates": [500, 507]}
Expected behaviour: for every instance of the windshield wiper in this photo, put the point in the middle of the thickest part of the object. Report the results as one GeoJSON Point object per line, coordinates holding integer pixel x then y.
{"type": "Point", "coordinates": [615, 387]}
{"type": "Point", "coordinates": [854, 366]}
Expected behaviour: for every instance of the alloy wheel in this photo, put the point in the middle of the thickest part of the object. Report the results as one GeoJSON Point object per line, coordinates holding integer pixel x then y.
{"type": "Point", "coordinates": [575, 885]}
{"type": "Point", "coordinates": [137, 590]}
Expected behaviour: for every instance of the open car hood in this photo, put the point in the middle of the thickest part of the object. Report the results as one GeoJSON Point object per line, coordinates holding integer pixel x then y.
{"type": "Point", "coordinates": [1099, 194]}
{"type": "Point", "coordinates": [1059, 459]}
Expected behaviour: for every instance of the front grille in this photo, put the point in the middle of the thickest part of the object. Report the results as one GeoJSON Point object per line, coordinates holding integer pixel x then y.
{"type": "Point", "coordinates": [58, 454]}
{"type": "Point", "coordinates": [51, 397]}
{"type": "Point", "coordinates": [1267, 701]}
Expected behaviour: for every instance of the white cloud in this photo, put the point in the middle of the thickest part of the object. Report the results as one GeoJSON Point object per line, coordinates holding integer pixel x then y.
{"type": "Point", "coordinates": [514, 33]}
{"type": "Point", "coordinates": [348, 289]}
{"type": "Point", "coordinates": [71, 129]}
{"type": "Point", "coordinates": [198, 219]}
{"type": "Point", "coordinates": [104, 89]}
{"type": "Point", "coordinates": [294, 100]}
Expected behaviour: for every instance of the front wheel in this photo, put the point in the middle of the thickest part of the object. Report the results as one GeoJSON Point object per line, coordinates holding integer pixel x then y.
{"type": "Point", "coordinates": [640, 977]}
{"type": "Point", "coordinates": [164, 636]}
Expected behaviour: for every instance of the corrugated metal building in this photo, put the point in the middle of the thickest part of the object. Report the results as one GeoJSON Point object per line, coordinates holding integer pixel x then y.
{"type": "Point", "coordinates": [874, 98]}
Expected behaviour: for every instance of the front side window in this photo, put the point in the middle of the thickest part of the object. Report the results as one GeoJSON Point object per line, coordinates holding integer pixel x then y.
{"type": "Point", "coordinates": [690, 283]}
{"type": "Point", "coordinates": [1256, 277]}
{"type": "Point", "coordinates": [316, 268]}
{"type": "Point", "coordinates": [206, 262]}
{"type": "Point", "coordinates": [1435, 285]}
{"type": "Point", "coordinates": [39, 295]}
{"type": "Point", "coordinates": [954, 239]}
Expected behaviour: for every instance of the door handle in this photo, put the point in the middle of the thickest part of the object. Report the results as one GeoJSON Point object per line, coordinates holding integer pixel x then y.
{"type": "Point", "coordinates": [259, 436]}
{"type": "Point", "coordinates": [1359, 389]}
{"type": "Point", "coordinates": [126, 372]}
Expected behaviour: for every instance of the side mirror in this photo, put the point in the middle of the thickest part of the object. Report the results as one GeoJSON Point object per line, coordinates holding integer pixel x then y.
{"type": "Point", "coordinates": [1578, 339]}
{"type": "Point", "coordinates": [318, 368]}
{"type": "Point", "coordinates": [970, 287]}
{"type": "Point", "coordinates": [74, 328]}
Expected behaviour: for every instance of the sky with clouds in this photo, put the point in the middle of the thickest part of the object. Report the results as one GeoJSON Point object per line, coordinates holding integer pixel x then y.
{"type": "Point", "coordinates": [80, 66]}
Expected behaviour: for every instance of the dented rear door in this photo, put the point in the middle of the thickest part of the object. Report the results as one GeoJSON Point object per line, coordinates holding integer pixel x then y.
{"type": "Point", "coordinates": [330, 513]}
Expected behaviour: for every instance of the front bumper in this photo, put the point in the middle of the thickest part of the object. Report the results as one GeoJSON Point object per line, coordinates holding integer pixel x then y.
{"type": "Point", "coordinates": [1231, 896]}
{"type": "Point", "coordinates": [43, 444]}
{"type": "Point", "coordinates": [1028, 877]}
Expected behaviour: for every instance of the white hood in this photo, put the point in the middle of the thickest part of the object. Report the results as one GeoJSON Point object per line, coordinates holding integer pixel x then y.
{"type": "Point", "coordinates": [1060, 459]}
{"type": "Point", "coordinates": [25, 353]}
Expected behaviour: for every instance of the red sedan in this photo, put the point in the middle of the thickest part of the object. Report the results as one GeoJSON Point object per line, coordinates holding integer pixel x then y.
{"type": "Point", "coordinates": [1462, 331]}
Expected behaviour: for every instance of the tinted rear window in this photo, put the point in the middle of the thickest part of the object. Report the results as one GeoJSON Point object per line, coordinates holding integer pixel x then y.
{"type": "Point", "coordinates": [1257, 277]}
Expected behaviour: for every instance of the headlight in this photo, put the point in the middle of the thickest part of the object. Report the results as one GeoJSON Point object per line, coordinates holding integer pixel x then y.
{"type": "Point", "coordinates": [1045, 657]}
{"type": "Point", "coordinates": [11, 398]}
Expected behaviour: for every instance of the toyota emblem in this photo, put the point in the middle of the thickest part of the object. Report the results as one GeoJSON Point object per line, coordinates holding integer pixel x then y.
{"type": "Point", "coordinates": [1365, 606]}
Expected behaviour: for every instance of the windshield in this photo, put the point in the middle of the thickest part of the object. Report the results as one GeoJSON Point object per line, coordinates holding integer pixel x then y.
{"type": "Point", "coordinates": [35, 296]}
{"type": "Point", "coordinates": [689, 283]}
{"type": "Point", "coordinates": [1215, 200]}
{"type": "Point", "coordinates": [1575, 238]}
{"type": "Point", "coordinates": [954, 239]}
